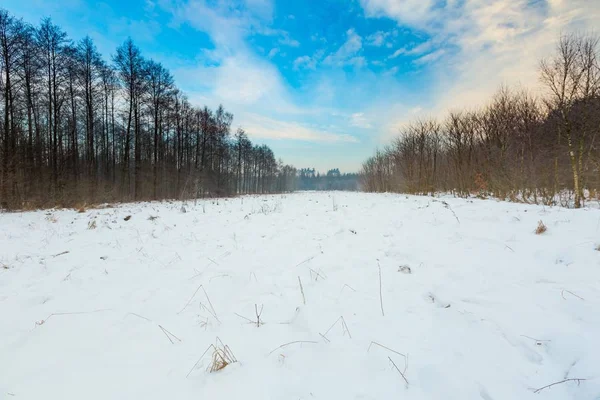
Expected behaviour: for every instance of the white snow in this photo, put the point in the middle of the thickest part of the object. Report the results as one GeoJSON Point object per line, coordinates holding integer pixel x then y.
{"type": "Point", "coordinates": [488, 310]}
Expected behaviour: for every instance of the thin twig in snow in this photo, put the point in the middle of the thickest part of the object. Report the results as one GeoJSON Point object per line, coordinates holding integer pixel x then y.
{"type": "Point", "coordinates": [385, 347]}
{"type": "Point", "coordinates": [302, 290]}
{"type": "Point", "coordinates": [539, 341]}
{"type": "Point", "coordinates": [168, 334]}
{"type": "Point", "coordinates": [305, 261]}
{"type": "Point", "coordinates": [212, 261]}
{"type": "Point", "coordinates": [190, 300]}
{"type": "Point", "coordinates": [380, 295]}
{"type": "Point", "coordinates": [323, 336]}
{"type": "Point", "coordinates": [578, 380]}
{"type": "Point", "coordinates": [258, 314]}
{"type": "Point", "coordinates": [317, 274]}
{"type": "Point", "coordinates": [562, 293]}
{"type": "Point", "coordinates": [60, 254]}
{"type": "Point", "coordinates": [347, 286]}
{"type": "Point", "coordinates": [198, 273]}
{"type": "Point", "coordinates": [397, 369]}
{"type": "Point", "coordinates": [70, 313]}
{"type": "Point", "coordinates": [446, 205]}
{"type": "Point", "coordinates": [247, 319]}
{"type": "Point", "coordinates": [287, 344]}
{"type": "Point", "coordinates": [344, 326]}
{"type": "Point", "coordinates": [214, 313]}
{"type": "Point", "coordinates": [199, 359]}
{"type": "Point", "coordinates": [139, 316]}
{"type": "Point", "coordinates": [218, 276]}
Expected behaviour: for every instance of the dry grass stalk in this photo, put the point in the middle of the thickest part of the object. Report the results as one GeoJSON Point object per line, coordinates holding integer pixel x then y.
{"type": "Point", "coordinates": [385, 347]}
{"type": "Point", "coordinates": [302, 291]}
{"type": "Point", "coordinates": [541, 228]}
{"type": "Point", "coordinates": [211, 310]}
{"type": "Point", "coordinates": [344, 327]}
{"type": "Point", "coordinates": [578, 380]}
{"type": "Point", "coordinates": [258, 321]}
{"type": "Point", "coordinates": [562, 293]}
{"type": "Point", "coordinates": [221, 357]}
{"type": "Point", "coordinates": [43, 321]}
{"type": "Point", "coordinates": [287, 344]}
{"type": "Point", "coordinates": [398, 369]}
{"type": "Point", "coordinates": [347, 286]}
{"type": "Point", "coordinates": [380, 294]}
{"type": "Point", "coordinates": [317, 274]}
{"type": "Point", "coordinates": [169, 335]}
{"type": "Point", "coordinates": [258, 315]}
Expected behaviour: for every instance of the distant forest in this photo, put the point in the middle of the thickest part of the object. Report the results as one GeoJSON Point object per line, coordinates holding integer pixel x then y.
{"type": "Point", "coordinates": [77, 128]}
{"type": "Point", "coordinates": [308, 179]}
{"type": "Point", "coordinates": [519, 147]}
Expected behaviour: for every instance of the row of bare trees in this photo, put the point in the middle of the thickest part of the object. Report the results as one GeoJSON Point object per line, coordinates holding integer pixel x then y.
{"type": "Point", "coordinates": [75, 128]}
{"type": "Point", "coordinates": [518, 147]}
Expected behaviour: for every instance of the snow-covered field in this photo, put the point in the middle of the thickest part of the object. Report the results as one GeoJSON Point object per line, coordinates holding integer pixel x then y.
{"type": "Point", "coordinates": [96, 307]}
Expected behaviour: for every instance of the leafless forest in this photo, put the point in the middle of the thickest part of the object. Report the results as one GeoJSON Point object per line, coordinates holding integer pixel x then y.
{"type": "Point", "coordinates": [79, 129]}
{"type": "Point", "coordinates": [519, 147]}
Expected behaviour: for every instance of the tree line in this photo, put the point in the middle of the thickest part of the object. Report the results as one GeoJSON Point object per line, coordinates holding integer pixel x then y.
{"type": "Point", "coordinates": [521, 147]}
{"type": "Point", "coordinates": [309, 179]}
{"type": "Point", "coordinates": [76, 128]}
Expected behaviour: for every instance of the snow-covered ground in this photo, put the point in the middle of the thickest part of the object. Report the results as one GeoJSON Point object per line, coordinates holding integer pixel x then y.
{"type": "Point", "coordinates": [96, 307]}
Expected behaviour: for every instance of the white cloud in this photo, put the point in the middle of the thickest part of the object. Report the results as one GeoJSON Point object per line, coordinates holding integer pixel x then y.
{"type": "Point", "coordinates": [286, 40]}
{"type": "Point", "coordinates": [359, 120]}
{"type": "Point", "coordinates": [305, 62]}
{"type": "Point", "coordinates": [414, 51]}
{"type": "Point", "coordinates": [431, 57]}
{"type": "Point", "coordinates": [259, 126]}
{"type": "Point", "coordinates": [398, 53]}
{"type": "Point", "coordinates": [377, 39]}
{"type": "Point", "coordinates": [347, 53]}
{"type": "Point", "coordinates": [274, 51]}
{"type": "Point", "coordinates": [411, 12]}
{"type": "Point", "coordinates": [392, 71]}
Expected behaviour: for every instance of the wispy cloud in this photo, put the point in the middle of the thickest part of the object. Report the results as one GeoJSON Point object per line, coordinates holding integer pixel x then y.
{"type": "Point", "coordinates": [305, 62]}
{"type": "Point", "coordinates": [347, 54]}
{"type": "Point", "coordinates": [431, 57]}
{"type": "Point", "coordinates": [286, 40]}
{"type": "Point", "coordinates": [274, 51]}
{"type": "Point", "coordinates": [260, 126]}
{"type": "Point", "coordinates": [377, 39]}
{"type": "Point", "coordinates": [359, 120]}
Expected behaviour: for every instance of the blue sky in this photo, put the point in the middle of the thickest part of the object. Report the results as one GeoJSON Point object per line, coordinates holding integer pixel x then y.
{"type": "Point", "coordinates": [325, 82]}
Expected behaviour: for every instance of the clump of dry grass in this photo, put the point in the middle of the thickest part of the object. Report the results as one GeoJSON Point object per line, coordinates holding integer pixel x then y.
{"type": "Point", "coordinates": [541, 228]}
{"type": "Point", "coordinates": [221, 357]}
